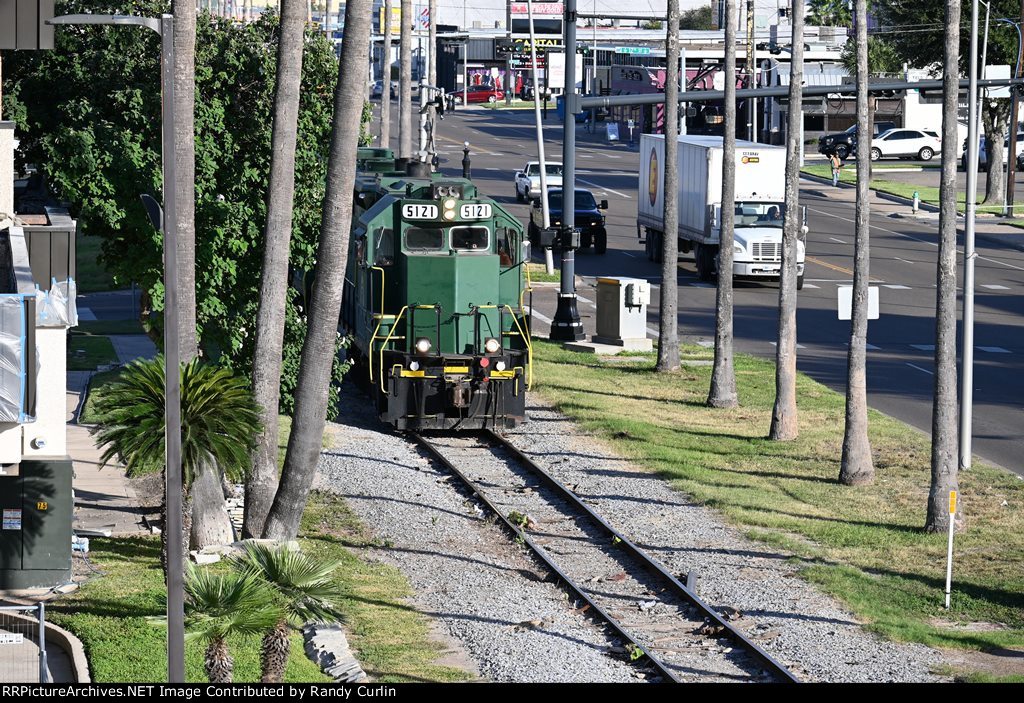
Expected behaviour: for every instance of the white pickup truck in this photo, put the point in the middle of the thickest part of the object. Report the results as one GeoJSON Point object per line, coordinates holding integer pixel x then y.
{"type": "Point", "coordinates": [528, 180]}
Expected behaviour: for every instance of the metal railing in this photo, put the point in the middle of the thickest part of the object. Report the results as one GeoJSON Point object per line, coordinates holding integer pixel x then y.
{"type": "Point", "coordinates": [23, 644]}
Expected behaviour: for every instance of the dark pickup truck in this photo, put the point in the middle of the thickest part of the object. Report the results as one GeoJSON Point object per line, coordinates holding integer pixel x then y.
{"type": "Point", "coordinates": [841, 143]}
{"type": "Point", "coordinates": [588, 219]}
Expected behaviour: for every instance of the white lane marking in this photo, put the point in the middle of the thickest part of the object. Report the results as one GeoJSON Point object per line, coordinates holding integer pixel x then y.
{"type": "Point", "coordinates": [841, 241]}
{"type": "Point", "coordinates": [653, 333]}
{"type": "Point", "coordinates": [993, 350]}
{"type": "Point", "coordinates": [916, 239]}
{"type": "Point", "coordinates": [930, 373]}
{"type": "Point", "coordinates": [700, 284]}
{"type": "Point", "coordinates": [491, 168]}
{"type": "Point", "coordinates": [810, 285]}
{"type": "Point", "coordinates": [798, 346]}
{"type": "Point", "coordinates": [623, 195]}
{"type": "Point", "coordinates": [867, 345]}
{"type": "Point", "coordinates": [706, 343]}
{"type": "Point", "coordinates": [542, 318]}
{"type": "Point", "coordinates": [903, 260]}
{"type": "Point", "coordinates": [612, 156]}
{"type": "Point", "coordinates": [633, 256]}
{"type": "Point", "coordinates": [86, 315]}
{"type": "Point", "coordinates": [923, 347]}
{"type": "Point", "coordinates": [584, 300]}
{"type": "Point", "coordinates": [585, 156]}
{"type": "Point", "coordinates": [896, 286]}
{"type": "Point", "coordinates": [994, 286]}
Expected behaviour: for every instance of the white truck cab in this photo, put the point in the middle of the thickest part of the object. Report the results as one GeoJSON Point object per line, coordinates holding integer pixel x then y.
{"type": "Point", "coordinates": [527, 181]}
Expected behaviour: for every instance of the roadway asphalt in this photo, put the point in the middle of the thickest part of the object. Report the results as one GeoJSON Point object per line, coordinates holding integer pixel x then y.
{"type": "Point", "coordinates": [903, 255]}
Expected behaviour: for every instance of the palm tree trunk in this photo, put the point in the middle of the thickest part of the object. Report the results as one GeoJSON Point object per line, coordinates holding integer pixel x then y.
{"type": "Point", "coordinates": [320, 347]}
{"type": "Point", "coordinates": [385, 95]}
{"type": "Point", "coordinates": [210, 521]}
{"type": "Point", "coordinates": [274, 653]}
{"type": "Point", "coordinates": [784, 417]}
{"type": "Point", "coordinates": [723, 376]}
{"type": "Point", "coordinates": [405, 82]}
{"type": "Point", "coordinates": [218, 662]}
{"type": "Point", "coordinates": [185, 170]}
{"type": "Point", "coordinates": [994, 116]}
{"type": "Point", "coordinates": [261, 482]}
{"type": "Point", "coordinates": [944, 411]}
{"type": "Point", "coordinates": [668, 309]}
{"type": "Point", "coordinates": [856, 467]}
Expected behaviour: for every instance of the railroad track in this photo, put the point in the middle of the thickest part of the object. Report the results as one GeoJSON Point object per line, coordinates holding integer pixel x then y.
{"type": "Point", "coordinates": [656, 615]}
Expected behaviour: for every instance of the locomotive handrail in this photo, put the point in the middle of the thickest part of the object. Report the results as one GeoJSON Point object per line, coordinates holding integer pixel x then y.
{"type": "Point", "coordinates": [529, 348]}
{"type": "Point", "coordinates": [387, 339]}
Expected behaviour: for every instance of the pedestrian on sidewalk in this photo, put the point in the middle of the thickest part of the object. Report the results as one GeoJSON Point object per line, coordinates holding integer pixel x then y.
{"type": "Point", "coordinates": [837, 164]}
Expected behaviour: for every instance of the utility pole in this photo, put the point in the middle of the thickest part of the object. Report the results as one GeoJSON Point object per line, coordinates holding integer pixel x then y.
{"type": "Point", "coordinates": [751, 70]}
{"type": "Point", "coordinates": [567, 326]}
{"type": "Point", "coordinates": [1011, 167]}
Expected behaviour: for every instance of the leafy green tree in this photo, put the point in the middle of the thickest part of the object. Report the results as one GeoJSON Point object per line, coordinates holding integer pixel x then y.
{"type": "Point", "coordinates": [921, 45]}
{"type": "Point", "coordinates": [89, 113]}
{"type": "Point", "coordinates": [306, 591]}
{"type": "Point", "coordinates": [222, 605]}
{"type": "Point", "coordinates": [697, 18]}
{"type": "Point", "coordinates": [830, 13]}
{"type": "Point", "coordinates": [219, 422]}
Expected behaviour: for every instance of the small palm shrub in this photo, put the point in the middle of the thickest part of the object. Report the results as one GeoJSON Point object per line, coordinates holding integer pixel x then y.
{"type": "Point", "coordinates": [305, 590]}
{"type": "Point", "coordinates": [222, 605]}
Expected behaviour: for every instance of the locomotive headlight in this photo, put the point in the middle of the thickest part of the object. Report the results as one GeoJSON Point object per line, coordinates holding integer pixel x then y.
{"type": "Point", "coordinates": [449, 204]}
{"type": "Point", "coordinates": [422, 345]}
{"type": "Point", "coordinates": [500, 366]}
{"type": "Point", "coordinates": [449, 209]}
{"type": "Point", "coordinates": [414, 366]}
{"type": "Point", "coordinates": [491, 345]}
{"type": "Point", "coordinates": [449, 214]}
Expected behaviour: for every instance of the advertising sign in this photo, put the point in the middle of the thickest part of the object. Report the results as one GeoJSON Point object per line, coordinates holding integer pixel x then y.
{"type": "Point", "coordinates": [539, 8]}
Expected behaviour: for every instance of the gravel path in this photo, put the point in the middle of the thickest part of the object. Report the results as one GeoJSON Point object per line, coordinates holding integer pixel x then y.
{"type": "Point", "coordinates": [493, 599]}
{"type": "Point", "coordinates": [487, 593]}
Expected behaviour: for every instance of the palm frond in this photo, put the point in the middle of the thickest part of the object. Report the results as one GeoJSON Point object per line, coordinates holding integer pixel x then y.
{"type": "Point", "coordinates": [219, 605]}
{"type": "Point", "coordinates": [305, 584]}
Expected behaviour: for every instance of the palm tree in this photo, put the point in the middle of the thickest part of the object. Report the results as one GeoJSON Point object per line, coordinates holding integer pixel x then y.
{"type": "Point", "coordinates": [306, 591]}
{"type": "Point", "coordinates": [722, 393]}
{"type": "Point", "coordinates": [784, 418]}
{"type": "Point", "coordinates": [261, 483]}
{"type": "Point", "coordinates": [668, 313]}
{"type": "Point", "coordinates": [945, 461]}
{"type": "Point", "coordinates": [856, 467]}
{"type": "Point", "coordinates": [219, 422]}
{"type": "Point", "coordinates": [405, 147]}
{"type": "Point", "coordinates": [185, 170]}
{"type": "Point", "coordinates": [385, 93]}
{"type": "Point", "coordinates": [222, 605]}
{"type": "Point", "coordinates": [319, 349]}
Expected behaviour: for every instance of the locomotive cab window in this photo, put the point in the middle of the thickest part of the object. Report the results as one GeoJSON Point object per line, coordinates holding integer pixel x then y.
{"type": "Point", "coordinates": [424, 238]}
{"type": "Point", "coordinates": [507, 247]}
{"type": "Point", "coordinates": [470, 238]}
{"type": "Point", "coordinates": [384, 248]}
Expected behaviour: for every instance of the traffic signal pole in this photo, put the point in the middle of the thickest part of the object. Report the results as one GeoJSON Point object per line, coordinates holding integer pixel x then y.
{"type": "Point", "coordinates": [566, 325]}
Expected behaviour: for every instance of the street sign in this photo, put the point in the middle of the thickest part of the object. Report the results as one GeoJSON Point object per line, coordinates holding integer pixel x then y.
{"type": "Point", "coordinates": [519, 62]}
{"type": "Point", "coordinates": [633, 50]}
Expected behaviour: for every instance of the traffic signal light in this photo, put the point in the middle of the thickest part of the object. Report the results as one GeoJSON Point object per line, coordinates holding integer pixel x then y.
{"type": "Point", "coordinates": [23, 24]}
{"type": "Point", "coordinates": [583, 49]}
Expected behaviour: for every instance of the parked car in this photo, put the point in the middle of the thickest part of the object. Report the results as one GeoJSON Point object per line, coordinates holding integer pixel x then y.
{"type": "Point", "coordinates": [906, 143]}
{"type": "Point", "coordinates": [841, 143]}
{"type": "Point", "coordinates": [588, 219]}
{"type": "Point", "coordinates": [983, 151]}
{"type": "Point", "coordinates": [378, 89]}
{"type": "Point", "coordinates": [527, 181]}
{"type": "Point", "coordinates": [481, 94]}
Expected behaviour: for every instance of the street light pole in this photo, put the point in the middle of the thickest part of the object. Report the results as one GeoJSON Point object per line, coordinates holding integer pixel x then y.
{"type": "Point", "coordinates": [164, 26]}
{"type": "Point", "coordinates": [566, 325]}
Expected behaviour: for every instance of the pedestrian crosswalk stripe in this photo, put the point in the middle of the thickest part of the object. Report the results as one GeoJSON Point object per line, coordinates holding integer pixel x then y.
{"type": "Point", "coordinates": [896, 286]}
{"type": "Point", "coordinates": [923, 347]}
{"type": "Point", "coordinates": [993, 350]}
{"type": "Point", "coordinates": [994, 286]}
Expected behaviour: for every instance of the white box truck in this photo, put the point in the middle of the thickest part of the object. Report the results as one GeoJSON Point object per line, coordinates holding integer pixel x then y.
{"type": "Point", "coordinates": [760, 204]}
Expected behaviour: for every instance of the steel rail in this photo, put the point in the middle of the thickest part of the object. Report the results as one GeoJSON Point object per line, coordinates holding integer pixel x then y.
{"type": "Point", "coordinates": [543, 556]}
{"type": "Point", "coordinates": [651, 564]}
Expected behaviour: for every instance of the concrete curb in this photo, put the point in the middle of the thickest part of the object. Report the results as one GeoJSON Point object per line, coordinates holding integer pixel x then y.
{"type": "Point", "coordinates": [71, 645]}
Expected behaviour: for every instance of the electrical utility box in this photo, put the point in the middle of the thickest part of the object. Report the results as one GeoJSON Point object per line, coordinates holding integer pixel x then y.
{"type": "Point", "coordinates": [23, 24]}
{"type": "Point", "coordinates": [622, 313]}
{"type": "Point", "coordinates": [35, 536]}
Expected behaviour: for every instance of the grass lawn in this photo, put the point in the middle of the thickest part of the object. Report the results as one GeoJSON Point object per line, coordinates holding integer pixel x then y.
{"type": "Point", "coordinates": [116, 615]}
{"type": "Point", "coordinates": [864, 545]}
{"type": "Point", "coordinates": [516, 105]}
{"type": "Point", "coordinates": [928, 194]}
{"type": "Point", "coordinates": [98, 380]}
{"type": "Point", "coordinates": [110, 327]}
{"type": "Point", "coordinates": [539, 273]}
{"type": "Point", "coordinates": [92, 276]}
{"type": "Point", "coordinates": [86, 352]}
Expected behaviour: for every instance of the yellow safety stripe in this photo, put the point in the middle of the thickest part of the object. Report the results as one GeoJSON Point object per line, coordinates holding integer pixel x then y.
{"type": "Point", "coordinates": [529, 348]}
{"type": "Point", "coordinates": [385, 344]}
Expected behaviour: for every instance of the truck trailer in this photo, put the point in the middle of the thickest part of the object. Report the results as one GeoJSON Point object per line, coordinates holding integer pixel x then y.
{"type": "Point", "coordinates": [759, 205]}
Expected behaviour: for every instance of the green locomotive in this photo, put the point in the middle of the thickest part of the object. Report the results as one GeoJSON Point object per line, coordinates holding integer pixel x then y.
{"type": "Point", "coordinates": [433, 299]}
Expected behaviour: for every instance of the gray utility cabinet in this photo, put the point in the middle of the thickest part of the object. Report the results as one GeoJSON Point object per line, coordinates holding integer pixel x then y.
{"type": "Point", "coordinates": [35, 537]}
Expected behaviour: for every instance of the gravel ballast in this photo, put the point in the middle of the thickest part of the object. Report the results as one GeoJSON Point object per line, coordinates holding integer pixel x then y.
{"type": "Point", "coordinates": [497, 603]}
